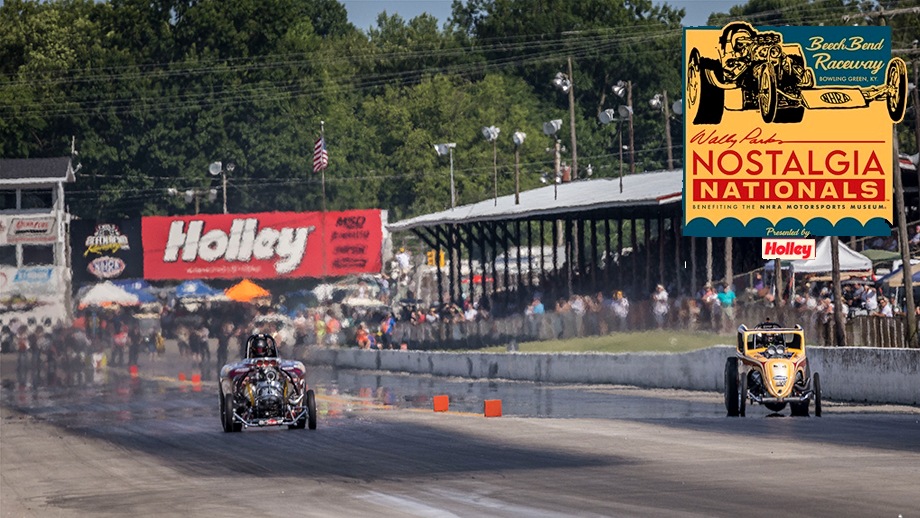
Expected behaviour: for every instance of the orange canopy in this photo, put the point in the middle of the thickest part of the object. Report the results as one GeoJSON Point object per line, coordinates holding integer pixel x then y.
{"type": "Point", "coordinates": [246, 291]}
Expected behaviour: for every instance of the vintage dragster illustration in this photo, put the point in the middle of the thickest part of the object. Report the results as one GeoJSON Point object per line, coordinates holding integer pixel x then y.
{"type": "Point", "coordinates": [770, 368]}
{"type": "Point", "coordinates": [772, 77]}
{"type": "Point", "coordinates": [265, 390]}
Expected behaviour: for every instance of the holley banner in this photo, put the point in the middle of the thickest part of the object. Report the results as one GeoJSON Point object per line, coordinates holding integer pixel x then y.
{"type": "Point", "coordinates": [788, 130]}
{"type": "Point", "coordinates": [262, 246]}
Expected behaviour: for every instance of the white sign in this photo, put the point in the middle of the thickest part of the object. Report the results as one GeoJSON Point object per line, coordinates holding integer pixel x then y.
{"type": "Point", "coordinates": [29, 230]}
{"type": "Point", "coordinates": [794, 249]}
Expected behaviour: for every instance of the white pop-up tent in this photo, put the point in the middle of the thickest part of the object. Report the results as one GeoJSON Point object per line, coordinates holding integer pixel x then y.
{"type": "Point", "coordinates": [107, 294]}
{"type": "Point", "coordinates": [850, 261]}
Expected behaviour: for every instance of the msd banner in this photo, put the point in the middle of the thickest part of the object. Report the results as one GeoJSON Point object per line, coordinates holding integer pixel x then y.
{"type": "Point", "coordinates": [262, 246]}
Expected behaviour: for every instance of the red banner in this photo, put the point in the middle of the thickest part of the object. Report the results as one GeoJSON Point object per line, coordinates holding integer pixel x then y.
{"type": "Point", "coordinates": [266, 245]}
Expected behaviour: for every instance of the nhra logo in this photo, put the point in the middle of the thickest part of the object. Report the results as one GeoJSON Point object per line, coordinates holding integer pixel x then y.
{"type": "Point", "coordinates": [106, 238]}
{"type": "Point", "coordinates": [835, 98]}
{"type": "Point", "coordinates": [244, 242]}
{"type": "Point", "coordinates": [106, 267]}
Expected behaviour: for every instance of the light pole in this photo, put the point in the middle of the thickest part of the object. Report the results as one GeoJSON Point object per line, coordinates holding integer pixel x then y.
{"type": "Point", "coordinates": [606, 117]}
{"type": "Point", "coordinates": [448, 149]}
{"type": "Point", "coordinates": [621, 89]}
{"type": "Point", "coordinates": [518, 139]}
{"type": "Point", "coordinates": [550, 129]}
{"type": "Point", "coordinates": [660, 102]}
{"type": "Point", "coordinates": [194, 195]}
{"type": "Point", "coordinates": [564, 82]}
{"type": "Point", "coordinates": [491, 134]}
{"type": "Point", "coordinates": [217, 168]}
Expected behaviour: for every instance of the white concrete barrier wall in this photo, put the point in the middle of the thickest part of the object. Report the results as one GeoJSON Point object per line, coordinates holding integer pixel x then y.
{"type": "Point", "coordinates": [847, 374]}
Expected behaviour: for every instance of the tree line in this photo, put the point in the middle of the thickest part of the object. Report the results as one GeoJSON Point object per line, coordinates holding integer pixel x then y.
{"type": "Point", "coordinates": [153, 91]}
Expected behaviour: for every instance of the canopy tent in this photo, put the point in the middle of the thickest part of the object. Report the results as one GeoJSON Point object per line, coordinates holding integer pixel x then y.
{"type": "Point", "coordinates": [197, 290]}
{"type": "Point", "coordinates": [363, 302]}
{"type": "Point", "coordinates": [294, 302]}
{"type": "Point", "coordinates": [850, 261]}
{"type": "Point", "coordinates": [246, 291]}
{"type": "Point", "coordinates": [896, 278]}
{"type": "Point", "coordinates": [138, 287]}
{"type": "Point", "coordinates": [881, 256]}
{"type": "Point", "coordinates": [107, 294]}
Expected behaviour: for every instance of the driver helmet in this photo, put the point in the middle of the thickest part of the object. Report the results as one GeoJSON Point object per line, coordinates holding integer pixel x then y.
{"type": "Point", "coordinates": [259, 347]}
{"type": "Point", "coordinates": [736, 38]}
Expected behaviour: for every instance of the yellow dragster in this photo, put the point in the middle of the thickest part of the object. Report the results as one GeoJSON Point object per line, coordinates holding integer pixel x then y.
{"type": "Point", "coordinates": [770, 368]}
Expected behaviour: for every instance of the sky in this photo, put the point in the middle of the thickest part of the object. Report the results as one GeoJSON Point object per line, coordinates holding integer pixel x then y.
{"type": "Point", "coordinates": [363, 13]}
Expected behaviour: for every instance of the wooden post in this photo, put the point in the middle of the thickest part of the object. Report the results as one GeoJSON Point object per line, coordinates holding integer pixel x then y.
{"type": "Point", "coordinates": [840, 331]}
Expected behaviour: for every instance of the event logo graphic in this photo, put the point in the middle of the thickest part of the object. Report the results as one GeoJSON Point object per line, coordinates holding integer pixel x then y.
{"type": "Point", "coordinates": [107, 237]}
{"type": "Point", "coordinates": [106, 267]}
{"type": "Point", "coordinates": [789, 128]}
{"type": "Point", "coordinates": [245, 241]}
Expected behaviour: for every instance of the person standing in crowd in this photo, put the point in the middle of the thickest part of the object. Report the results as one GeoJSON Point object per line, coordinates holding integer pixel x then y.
{"type": "Point", "coordinates": [204, 347]}
{"type": "Point", "coordinates": [223, 343]}
{"type": "Point", "coordinates": [620, 306]}
{"type": "Point", "coordinates": [22, 348]}
{"type": "Point", "coordinates": [119, 344]}
{"type": "Point", "coordinates": [362, 338]}
{"type": "Point", "coordinates": [870, 299]}
{"type": "Point", "coordinates": [660, 305]}
{"type": "Point", "coordinates": [386, 331]}
{"type": "Point", "coordinates": [319, 328]}
{"type": "Point", "coordinates": [150, 345]}
{"type": "Point", "coordinates": [536, 307]}
{"type": "Point", "coordinates": [884, 308]}
{"type": "Point", "coordinates": [727, 303]}
{"type": "Point", "coordinates": [42, 347]}
{"type": "Point", "coordinates": [333, 328]}
{"type": "Point", "coordinates": [134, 344]}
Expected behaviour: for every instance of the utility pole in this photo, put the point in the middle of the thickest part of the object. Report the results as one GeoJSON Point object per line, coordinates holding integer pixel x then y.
{"type": "Point", "coordinates": [667, 128]}
{"type": "Point", "coordinates": [632, 144]}
{"type": "Point", "coordinates": [909, 310]}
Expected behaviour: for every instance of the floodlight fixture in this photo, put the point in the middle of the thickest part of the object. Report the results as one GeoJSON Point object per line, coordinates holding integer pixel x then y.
{"type": "Point", "coordinates": [552, 127]}
{"type": "Point", "coordinates": [607, 116]}
{"type": "Point", "coordinates": [490, 133]}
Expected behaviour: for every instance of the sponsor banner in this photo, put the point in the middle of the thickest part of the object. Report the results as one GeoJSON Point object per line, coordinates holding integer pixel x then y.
{"type": "Point", "coordinates": [262, 246]}
{"type": "Point", "coordinates": [28, 230]}
{"type": "Point", "coordinates": [30, 280]}
{"type": "Point", "coordinates": [102, 250]}
{"type": "Point", "coordinates": [788, 130]}
{"type": "Point", "coordinates": [792, 249]}
{"type": "Point", "coordinates": [32, 292]}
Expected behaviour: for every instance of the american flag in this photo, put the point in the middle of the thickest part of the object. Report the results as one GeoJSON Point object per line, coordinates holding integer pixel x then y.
{"type": "Point", "coordinates": [320, 156]}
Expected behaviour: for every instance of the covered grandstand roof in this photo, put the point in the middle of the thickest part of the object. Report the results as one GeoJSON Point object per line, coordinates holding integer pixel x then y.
{"type": "Point", "coordinates": [35, 171]}
{"type": "Point", "coordinates": [640, 190]}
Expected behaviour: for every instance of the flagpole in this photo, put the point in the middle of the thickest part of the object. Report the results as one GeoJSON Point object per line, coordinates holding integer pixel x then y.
{"type": "Point", "coordinates": [322, 135]}
{"type": "Point", "coordinates": [322, 219]}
